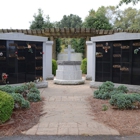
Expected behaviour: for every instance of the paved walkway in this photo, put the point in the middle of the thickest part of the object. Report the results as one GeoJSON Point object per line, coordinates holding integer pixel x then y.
{"type": "Point", "coordinates": [67, 112]}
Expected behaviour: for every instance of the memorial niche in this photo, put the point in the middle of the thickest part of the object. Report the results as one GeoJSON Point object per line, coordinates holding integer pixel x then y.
{"type": "Point", "coordinates": [19, 61]}
{"type": "Point", "coordinates": [119, 64]}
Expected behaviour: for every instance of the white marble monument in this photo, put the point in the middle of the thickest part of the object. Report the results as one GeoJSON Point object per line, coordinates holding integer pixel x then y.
{"type": "Point", "coordinates": [69, 72]}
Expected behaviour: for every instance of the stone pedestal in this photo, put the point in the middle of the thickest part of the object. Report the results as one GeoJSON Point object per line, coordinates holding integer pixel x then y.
{"type": "Point", "coordinates": [69, 73]}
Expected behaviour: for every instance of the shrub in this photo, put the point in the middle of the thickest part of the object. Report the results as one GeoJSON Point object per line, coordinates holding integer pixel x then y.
{"type": "Point", "coordinates": [107, 86]}
{"type": "Point", "coordinates": [106, 90]}
{"type": "Point", "coordinates": [33, 97]}
{"type": "Point", "coordinates": [25, 104]}
{"type": "Point", "coordinates": [84, 66]}
{"type": "Point", "coordinates": [20, 89]}
{"type": "Point", "coordinates": [7, 88]}
{"type": "Point", "coordinates": [29, 85]}
{"type": "Point", "coordinates": [54, 67]}
{"type": "Point", "coordinates": [125, 101]}
{"type": "Point", "coordinates": [34, 90]}
{"type": "Point", "coordinates": [18, 100]}
{"type": "Point", "coordinates": [6, 106]}
{"type": "Point", "coordinates": [122, 88]}
{"type": "Point", "coordinates": [104, 107]}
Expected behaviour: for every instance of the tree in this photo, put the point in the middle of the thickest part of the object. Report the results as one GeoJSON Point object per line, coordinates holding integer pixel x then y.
{"type": "Point", "coordinates": [58, 46]}
{"type": "Point", "coordinates": [40, 22]}
{"type": "Point", "coordinates": [127, 2]}
{"type": "Point", "coordinates": [97, 20]}
{"type": "Point", "coordinates": [70, 21]}
{"type": "Point", "coordinates": [78, 45]}
{"type": "Point", "coordinates": [128, 19]}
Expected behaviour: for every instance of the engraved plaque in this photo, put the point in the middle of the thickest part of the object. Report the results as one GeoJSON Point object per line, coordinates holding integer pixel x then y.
{"type": "Point", "coordinates": [21, 47]}
{"type": "Point", "coordinates": [117, 45]}
{"type": "Point", "coordinates": [116, 66]}
{"type": "Point", "coordinates": [38, 58]}
{"type": "Point", "coordinates": [125, 47]}
{"type": "Point", "coordinates": [21, 58]}
{"type": "Point", "coordinates": [99, 45]}
{"type": "Point", "coordinates": [38, 68]}
{"type": "Point", "coordinates": [12, 44]}
{"type": "Point", "coordinates": [116, 55]}
{"type": "Point", "coordinates": [2, 47]}
{"type": "Point", "coordinates": [136, 44]}
{"type": "Point", "coordinates": [124, 69]}
{"type": "Point", "coordinates": [38, 48]}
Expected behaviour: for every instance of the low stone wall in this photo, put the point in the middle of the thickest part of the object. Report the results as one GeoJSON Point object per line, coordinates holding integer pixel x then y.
{"type": "Point", "coordinates": [131, 88]}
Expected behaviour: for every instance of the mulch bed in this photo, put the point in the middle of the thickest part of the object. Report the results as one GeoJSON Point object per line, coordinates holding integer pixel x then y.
{"type": "Point", "coordinates": [127, 122]}
{"type": "Point", "coordinates": [22, 120]}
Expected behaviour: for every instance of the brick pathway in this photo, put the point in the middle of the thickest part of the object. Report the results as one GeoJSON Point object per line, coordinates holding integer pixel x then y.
{"type": "Point", "coordinates": [67, 112]}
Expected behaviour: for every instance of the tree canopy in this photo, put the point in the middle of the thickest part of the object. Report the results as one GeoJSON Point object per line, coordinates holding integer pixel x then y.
{"type": "Point", "coordinates": [70, 21]}
{"type": "Point", "coordinates": [128, 19]}
{"type": "Point", "coordinates": [128, 1]}
{"type": "Point", "coordinates": [40, 22]}
{"type": "Point", "coordinates": [97, 20]}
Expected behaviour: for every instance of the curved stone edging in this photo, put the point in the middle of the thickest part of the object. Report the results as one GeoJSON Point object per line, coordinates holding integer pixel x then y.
{"type": "Point", "coordinates": [69, 82]}
{"type": "Point", "coordinates": [69, 62]}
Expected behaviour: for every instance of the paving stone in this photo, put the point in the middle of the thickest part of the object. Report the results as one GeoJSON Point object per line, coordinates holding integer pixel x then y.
{"type": "Point", "coordinates": [63, 131]}
{"type": "Point", "coordinates": [53, 124]}
{"type": "Point", "coordinates": [73, 131]}
{"type": "Point", "coordinates": [68, 112]}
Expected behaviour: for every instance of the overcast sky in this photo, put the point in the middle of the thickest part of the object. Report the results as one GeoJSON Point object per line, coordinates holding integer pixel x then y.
{"type": "Point", "coordinates": [17, 14]}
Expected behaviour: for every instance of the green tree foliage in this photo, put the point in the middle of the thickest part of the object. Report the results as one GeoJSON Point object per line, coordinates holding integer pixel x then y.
{"type": "Point", "coordinates": [128, 1]}
{"type": "Point", "coordinates": [97, 20]}
{"type": "Point", "coordinates": [78, 45]}
{"type": "Point", "coordinates": [40, 22]}
{"type": "Point", "coordinates": [128, 19]}
{"type": "Point", "coordinates": [58, 46]}
{"type": "Point", "coordinates": [70, 21]}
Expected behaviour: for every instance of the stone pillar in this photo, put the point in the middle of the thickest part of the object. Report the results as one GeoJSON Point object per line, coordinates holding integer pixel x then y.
{"type": "Point", "coordinates": [47, 60]}
{"type": "Point", "coordinates": [53, 47]}
{"type": "Point", "coordinates": [91, 60]}
{"type": "Point", "coordinates": [87, 39]}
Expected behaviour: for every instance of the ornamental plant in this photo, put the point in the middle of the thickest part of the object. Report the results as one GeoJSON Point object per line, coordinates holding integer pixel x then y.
{"type": "Point", "coordinates": [84, 66]}
{"type": "Point", "coordinates": [6, 106]}
{"type": "Point", "coordinates": [125, 101]}
{"type": "Point", "coordinates": [54, 67]}
{"type": "Point", "coordinates": [107, 89]}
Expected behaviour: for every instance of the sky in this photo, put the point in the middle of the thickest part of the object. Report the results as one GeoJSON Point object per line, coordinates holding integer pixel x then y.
{"type": "Point", "coordinates": [17, 14]}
